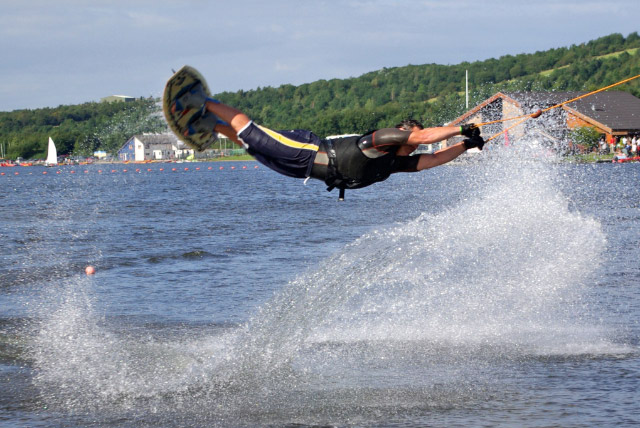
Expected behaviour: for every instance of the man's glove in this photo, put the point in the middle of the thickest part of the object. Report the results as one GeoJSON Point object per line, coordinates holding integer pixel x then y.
{"type": "Point", "coordinates": [469, 131]}
{"type": "Point", "coordinates": [470, 143]}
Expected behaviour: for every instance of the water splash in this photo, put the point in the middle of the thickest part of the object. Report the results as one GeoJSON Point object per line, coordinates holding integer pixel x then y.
{"type": "Point", "coordinates": [426, 313]}
{"type": "Point", "coordinates": [505, 267]}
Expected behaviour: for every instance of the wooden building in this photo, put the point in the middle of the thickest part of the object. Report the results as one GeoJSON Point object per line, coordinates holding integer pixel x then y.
{"type": "Point", "coordinates": [611, 113]}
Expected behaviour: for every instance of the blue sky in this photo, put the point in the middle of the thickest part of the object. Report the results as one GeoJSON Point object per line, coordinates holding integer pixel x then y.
{"type": "Point", "coordinates": [74, 51]}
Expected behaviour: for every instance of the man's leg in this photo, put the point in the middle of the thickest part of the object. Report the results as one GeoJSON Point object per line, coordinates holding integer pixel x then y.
{"type": "Point", "coordinates": [234, 120]}
{"type": "Point", "coordinates": [228, 132]}
{"type": "Point", "coordinates": [234, 117]}
{"type": "Point", "coordinates": [194, 98]}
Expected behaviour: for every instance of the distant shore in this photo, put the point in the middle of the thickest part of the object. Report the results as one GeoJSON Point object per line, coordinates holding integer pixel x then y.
{"type": "Point", "coordinates": [217, 159]}
{"type": "Point", "coordinates": [581, 158]}
{"type": "Point", "coordinates": [243, 158]}
{"type": "Point", "coordinates": [596, 158]}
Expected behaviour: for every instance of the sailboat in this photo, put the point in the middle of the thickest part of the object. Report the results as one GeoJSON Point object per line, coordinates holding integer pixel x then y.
{"type": "Point", "coordinates": [52, 154]}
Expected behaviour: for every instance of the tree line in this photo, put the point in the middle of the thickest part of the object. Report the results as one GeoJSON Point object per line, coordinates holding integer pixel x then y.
{"type": "Point", "coordinates": [435, 94]}
{"type": "Point", "coordinates": [432, 93]}
{"type": "Point", "coordinates": [77, 129]}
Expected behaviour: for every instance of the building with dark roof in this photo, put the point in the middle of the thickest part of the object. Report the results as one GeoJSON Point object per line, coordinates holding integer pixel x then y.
{"type": "Point", "coordinates": [611, 113]}
{"type": "Point", "coordinates": [117, 98]}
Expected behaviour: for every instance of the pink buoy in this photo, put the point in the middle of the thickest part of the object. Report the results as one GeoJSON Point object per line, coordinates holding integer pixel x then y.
{"type": "Point", "coordinates": [90, 270]}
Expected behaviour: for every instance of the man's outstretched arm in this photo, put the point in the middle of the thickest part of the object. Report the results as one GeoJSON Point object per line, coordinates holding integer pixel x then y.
{"type": "Point", "coordinates": [440, 157]}
{"type": "Point", "coordinates": [448, 154]}
{"type": "Point", "coordinates": [435, 135]}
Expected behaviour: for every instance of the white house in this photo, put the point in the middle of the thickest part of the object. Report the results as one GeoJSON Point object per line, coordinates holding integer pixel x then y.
{"type": "Point", "coordinates": [153, 147]}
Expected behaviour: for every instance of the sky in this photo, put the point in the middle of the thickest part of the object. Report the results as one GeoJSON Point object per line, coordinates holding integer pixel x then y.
{"type": "Point", "coordinates": [74, 51]}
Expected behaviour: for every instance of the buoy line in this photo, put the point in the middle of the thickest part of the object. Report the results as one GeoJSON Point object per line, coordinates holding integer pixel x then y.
{"type": "Point", "coordinates": [127, 170]}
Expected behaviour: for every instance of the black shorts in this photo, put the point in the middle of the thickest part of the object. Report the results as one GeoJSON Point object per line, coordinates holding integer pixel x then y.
{"type": "Point", "coordinates": [288, 152]}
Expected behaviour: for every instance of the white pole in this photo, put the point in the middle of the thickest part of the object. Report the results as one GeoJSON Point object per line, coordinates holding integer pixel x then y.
{"type": "Point", "coordinates": [466, 80]}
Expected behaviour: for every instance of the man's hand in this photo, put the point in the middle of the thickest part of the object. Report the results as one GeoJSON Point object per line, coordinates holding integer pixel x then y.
{"type": "Point", "coordinates": [470, 143]}
{"type": "Point", "coordinates": [469, 130]}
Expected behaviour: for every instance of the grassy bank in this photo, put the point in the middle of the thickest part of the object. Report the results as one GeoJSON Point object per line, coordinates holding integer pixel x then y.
{"type": "Point", "coordinates": [231, 158]}
{"type": "Point", "coordinates": [591, 158]}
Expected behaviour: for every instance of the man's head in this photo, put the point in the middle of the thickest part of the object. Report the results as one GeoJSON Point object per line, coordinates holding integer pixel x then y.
{"type": "Point", "coordinates": [409, 125]}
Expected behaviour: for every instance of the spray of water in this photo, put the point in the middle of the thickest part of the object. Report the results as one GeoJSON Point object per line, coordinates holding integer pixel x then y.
{"type": "Point", "coordinates": [425, 312]}
{"type": "Point", "coordinates": [504, 268]}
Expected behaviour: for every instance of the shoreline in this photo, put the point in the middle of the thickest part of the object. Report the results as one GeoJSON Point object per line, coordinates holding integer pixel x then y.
{"type": "Point", "coordinates": [586, 159]}
{"type": "Point", "coordinates": [240, 158]}
{"type": "Point", "coordinates": [595, 158]}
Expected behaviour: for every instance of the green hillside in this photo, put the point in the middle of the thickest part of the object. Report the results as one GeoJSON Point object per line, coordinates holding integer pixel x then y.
{"type": "Point", "coordinates": [78, 129]}
{"type": "Point", "coordinates": [432, 93]}
{"type": "Point", "coordinates": [435, 93]}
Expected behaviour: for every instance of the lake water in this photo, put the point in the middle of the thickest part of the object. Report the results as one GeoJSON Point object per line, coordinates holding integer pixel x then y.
{"type": "Point", "coordinates": [503, 291]}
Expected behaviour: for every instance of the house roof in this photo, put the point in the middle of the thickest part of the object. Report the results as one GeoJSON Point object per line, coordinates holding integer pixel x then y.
{"type": "Point", "coordinates": [542, 100]}
{"type": "Point", "coordinates": [149, 140]}
{"type": "Point", "coordinates": [153, 139]}
{"type": "Point", "coordinates": [615, 110]}
{"type": "Point", "coordinates": [469, 113]}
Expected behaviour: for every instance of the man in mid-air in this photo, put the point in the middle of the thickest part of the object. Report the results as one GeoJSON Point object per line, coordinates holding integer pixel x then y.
{"type": "Point", "coordinates": [345, 163]}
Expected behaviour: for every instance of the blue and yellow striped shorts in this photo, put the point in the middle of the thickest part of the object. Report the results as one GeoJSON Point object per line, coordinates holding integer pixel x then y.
{"type": "Point", "coordinates": [288, 152]}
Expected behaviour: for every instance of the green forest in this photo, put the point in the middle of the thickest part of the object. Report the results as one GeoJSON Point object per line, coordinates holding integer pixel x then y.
{"type": "Point", "coordinates": [77, 129]}
{"type": "Point", "coordinates": [432, 93]}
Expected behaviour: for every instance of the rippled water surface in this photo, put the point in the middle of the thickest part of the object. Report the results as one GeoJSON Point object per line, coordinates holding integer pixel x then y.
{"type": "Point", "coordinates": [503, 291]}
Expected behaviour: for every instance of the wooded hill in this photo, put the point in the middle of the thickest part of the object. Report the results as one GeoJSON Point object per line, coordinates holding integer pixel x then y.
{"type": "Point", "coordinates": [78, 129]}
{"type": "Point", "coordinates": [435, 93]}
{"type": "Point", "coordinates": [432, 93]}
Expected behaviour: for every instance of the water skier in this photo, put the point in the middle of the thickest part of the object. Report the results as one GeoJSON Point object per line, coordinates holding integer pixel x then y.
{"type": "Point", "coordinates": [345, 163]}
